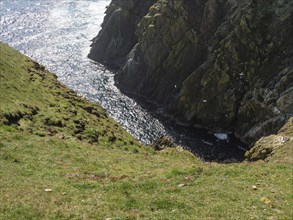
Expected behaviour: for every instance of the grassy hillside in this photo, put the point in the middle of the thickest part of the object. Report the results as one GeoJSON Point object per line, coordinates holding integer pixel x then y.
{"type": "Point", "coordinates": [62, 157]}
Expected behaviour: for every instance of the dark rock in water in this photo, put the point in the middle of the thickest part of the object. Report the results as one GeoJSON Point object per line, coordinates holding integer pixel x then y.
{"type": "Point", "coordinates": [117, 36]}
{"type": "Point", "coordinates": [222, 65]}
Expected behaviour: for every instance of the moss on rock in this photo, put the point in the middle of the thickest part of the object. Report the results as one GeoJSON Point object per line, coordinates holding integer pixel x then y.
{"type": "Point", "coordinates": [274, 148]}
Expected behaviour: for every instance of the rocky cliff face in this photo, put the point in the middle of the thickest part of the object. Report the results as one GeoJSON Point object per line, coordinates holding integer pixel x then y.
{"type": "Point", "coordinates": [117, 36]}
{"type": "Point", "coordinates": [226, 65]}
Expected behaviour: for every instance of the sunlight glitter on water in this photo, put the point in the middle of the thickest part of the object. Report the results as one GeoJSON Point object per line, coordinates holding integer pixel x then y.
{"type": "Point", "coordinates": [58, 35]}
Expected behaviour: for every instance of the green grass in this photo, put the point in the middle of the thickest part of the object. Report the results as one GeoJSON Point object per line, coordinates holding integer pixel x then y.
{"type": "Point", "coordinates": [32, 99]}
{"type": "Point", "coordinates": [52, 139]}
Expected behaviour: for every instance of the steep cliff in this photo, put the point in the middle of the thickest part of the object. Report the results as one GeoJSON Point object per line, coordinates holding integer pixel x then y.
{"type": "Point", "coordinates": [223, 65]}
{"type": "Point", "coordinates": [117, 36]}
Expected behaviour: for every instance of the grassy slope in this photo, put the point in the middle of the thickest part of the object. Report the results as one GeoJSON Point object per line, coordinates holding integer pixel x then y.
{"type": "Point", "coordinates": [52, 139]}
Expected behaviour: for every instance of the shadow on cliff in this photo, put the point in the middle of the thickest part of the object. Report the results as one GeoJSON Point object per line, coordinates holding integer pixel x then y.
{"type": "Point", "coordinates": [197, 140]}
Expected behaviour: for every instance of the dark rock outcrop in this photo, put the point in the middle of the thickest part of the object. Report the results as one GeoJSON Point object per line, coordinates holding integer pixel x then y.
{"type": "Point", "coordinates": [225, 65]}
{"type": "Point", "coordinates": [276, 147]}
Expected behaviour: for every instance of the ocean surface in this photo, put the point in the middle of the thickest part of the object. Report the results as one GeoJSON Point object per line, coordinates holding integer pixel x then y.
{"type": "Point", "coordinates": [58, 35]}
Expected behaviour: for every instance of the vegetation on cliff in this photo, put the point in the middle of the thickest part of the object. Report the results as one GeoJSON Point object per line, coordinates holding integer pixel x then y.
{"type": "Point", "coordinates": [62, 157]}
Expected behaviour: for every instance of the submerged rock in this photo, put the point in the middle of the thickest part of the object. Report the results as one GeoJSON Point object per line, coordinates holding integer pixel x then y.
{"type": "Point", "coordinates": [222, 65]}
